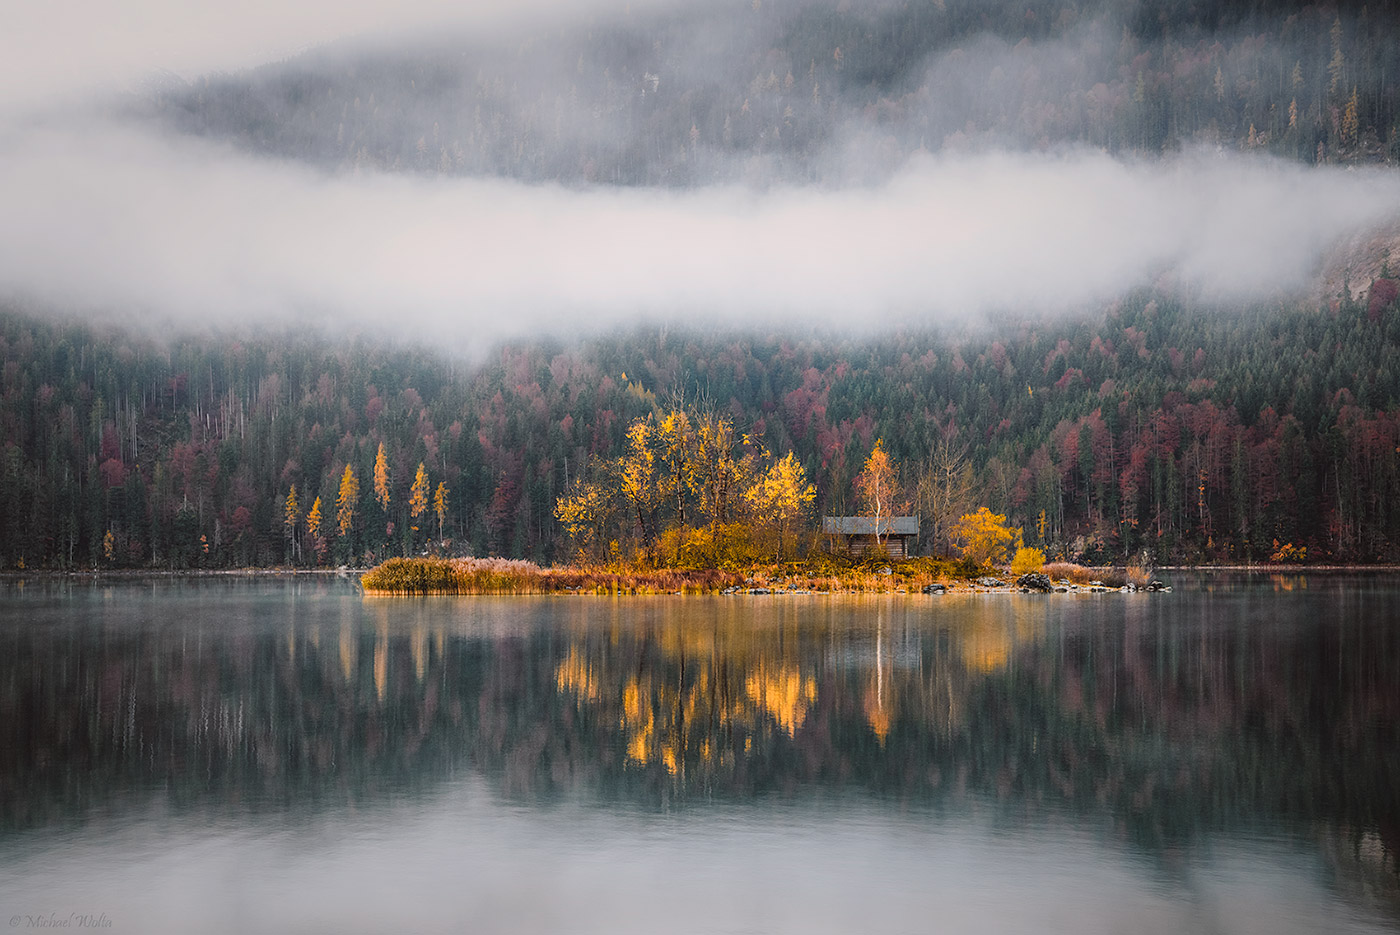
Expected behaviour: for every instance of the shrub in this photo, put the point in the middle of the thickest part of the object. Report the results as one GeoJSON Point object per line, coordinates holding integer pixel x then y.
{"type": "Point", "coordinates": [1027, 560]}
{"type": "Point", "coordinates": [967, 568]}
{"type": "Point", "coordinates": [984, 536]}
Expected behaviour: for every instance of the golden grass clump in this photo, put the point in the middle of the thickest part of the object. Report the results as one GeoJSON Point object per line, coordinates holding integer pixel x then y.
{"type": "Point", "coordinates": [452, 576]}
{"type": "Point", "coordinates": [516, 576]}
{"type": "Point", "coordinates": [1107, 576]}
{"type": "Point", "coordinates": [1068, 571]}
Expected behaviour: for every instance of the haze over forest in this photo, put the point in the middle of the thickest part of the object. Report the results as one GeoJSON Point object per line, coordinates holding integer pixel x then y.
{"type": "Point", "coordinates": [990, 225]}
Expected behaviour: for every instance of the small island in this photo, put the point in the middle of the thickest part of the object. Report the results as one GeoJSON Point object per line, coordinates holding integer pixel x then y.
{"type": "Point", "coordinates": [693, 507]}
{"type": "Point", "coordinates": [427, 575]}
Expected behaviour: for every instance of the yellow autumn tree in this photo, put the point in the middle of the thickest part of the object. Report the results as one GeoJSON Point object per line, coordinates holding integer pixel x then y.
{"type": "Point", "coordinates": [347, 500]}
{"type": "Point", "coordinates": [877, 487]}
{"type": "Point", "coordinates": [676, 452]}
{"type": "Point", "coordinates": [583, 512]}
{"type": "Point", "coordinates": [418, 497]}
{"type": "Point", "coordinates": [291, 518]}
{"type": "Point", "coordinates": [381, 478]}
{"type": "Point", "coordinates": [1350, 120]}
{"type": "Point", "coordinates": [638, 479]}
{"type": "Point", "coordinates": [313, 529]}
{"type": "Point", "coordinates": [440, 506]}
{"type": "Point", "coordinates": [675, 440]}
{"type": "Point", "coordinates": [984, 537]}
{"type": "Point", "coordinates": [718, 470]}
{"type": "Point", "coordinates": [780, 497]}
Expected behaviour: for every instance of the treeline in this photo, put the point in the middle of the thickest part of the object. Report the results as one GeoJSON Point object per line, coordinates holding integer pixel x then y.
{"type": "Point", "coordinates": [1191, 435]}
{"type": "Point", "coordinates": [800, 91]}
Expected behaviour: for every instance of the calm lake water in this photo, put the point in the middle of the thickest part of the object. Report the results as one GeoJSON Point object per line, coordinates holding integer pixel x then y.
{"type": "Point", "coordinates": [272, 755]}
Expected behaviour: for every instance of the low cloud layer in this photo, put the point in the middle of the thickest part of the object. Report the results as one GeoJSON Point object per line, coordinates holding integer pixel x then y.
{"type": "Point", "coordinates": [127, 223]}
{"type": "Point", "coordinates": [67, 49]}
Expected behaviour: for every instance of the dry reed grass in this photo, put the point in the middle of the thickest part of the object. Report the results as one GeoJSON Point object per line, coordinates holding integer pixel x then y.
{"type": "Point", "coordinates": [1107, 576]}
{"type": "Point", "coordinates": [515, 576]}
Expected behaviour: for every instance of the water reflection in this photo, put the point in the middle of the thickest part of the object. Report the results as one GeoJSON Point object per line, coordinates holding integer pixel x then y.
{"type": "Point", "coordinates": [1265, 705]}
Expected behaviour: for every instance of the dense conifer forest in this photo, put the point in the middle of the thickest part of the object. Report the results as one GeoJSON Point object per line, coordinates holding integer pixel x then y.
{"type": "Point", "coordinates": [1158, 425]}
{"type": "Point", "coordinates": [1264, 434]}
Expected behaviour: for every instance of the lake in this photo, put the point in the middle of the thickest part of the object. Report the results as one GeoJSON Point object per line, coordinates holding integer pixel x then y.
{"type": "Point", "coordinates": [230, 755]}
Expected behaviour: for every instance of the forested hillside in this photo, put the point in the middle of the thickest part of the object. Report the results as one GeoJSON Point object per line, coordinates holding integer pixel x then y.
{"type": "Point", "coordinates": [802, 91]}
{"type": "Point", "coordinates": [1189, 434]}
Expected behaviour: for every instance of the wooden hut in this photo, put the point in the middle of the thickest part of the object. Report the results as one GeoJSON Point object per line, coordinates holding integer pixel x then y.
{"type": "Point", "coordinates": [860, 536]}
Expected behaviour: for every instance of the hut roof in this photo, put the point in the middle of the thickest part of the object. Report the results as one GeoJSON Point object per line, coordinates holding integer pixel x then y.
{"type": "Point", "coordinates": [865, 525]}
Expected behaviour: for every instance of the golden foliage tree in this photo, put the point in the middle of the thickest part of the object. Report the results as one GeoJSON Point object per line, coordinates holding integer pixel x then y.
{"type": "Point", "coordinates": [313, 529]}
{"type": "Point", "coordinates": [780, 497]}
{"type": "Point", "coordinates": [716, 469]}
{"type": "Point", "coordinates": [877, 487]}
{"type": "Point", "coordinates": [984, 537]}
{"type": "Point", "coordinates": [381, 478]}
{"type": "Point", "coordinates": [724, 464]}
{"type": "Point", "coordinates": [676, 442]}
{"type": "Point", "coordinates": [638, 478]}
{"type": "Point", "coordinates": [418, 497]}
{"type": "Point", "coordinates": [291, 518]}
{"type": "Point", "coordinates": [680, 469]}
{"type": "Point", "coordinates": [440, 506]}
{"type": "Point", "coordinates": [583, 511]}
{"type": "Point", "coordinates": [347, 501]}
{"type": "Point", "coordinates": [1350, 120]}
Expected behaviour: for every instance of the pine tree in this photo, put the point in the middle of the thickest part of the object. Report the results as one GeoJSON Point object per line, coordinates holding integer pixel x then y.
{"type": "Point", "coordinates": [1336, 68]}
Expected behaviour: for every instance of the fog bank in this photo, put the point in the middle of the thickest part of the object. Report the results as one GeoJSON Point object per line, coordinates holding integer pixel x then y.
{"type": "Point", "coordinates": [128, 223]}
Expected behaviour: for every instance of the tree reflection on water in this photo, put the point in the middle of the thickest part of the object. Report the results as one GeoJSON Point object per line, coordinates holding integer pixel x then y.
{"type": "Point", "coordinates": [1169, 718]}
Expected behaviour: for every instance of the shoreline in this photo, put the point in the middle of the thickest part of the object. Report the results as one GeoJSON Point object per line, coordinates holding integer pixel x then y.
{"type": "Point", "coordinates": [138, 573]}
{"type": "Point", "coordinates": [284, 572]}
{"type": "Point", "coordinates": [566, 581]}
